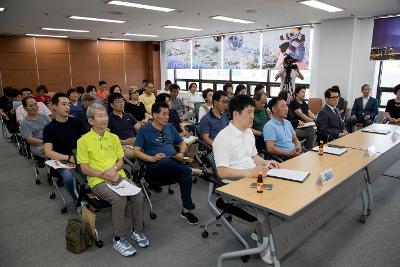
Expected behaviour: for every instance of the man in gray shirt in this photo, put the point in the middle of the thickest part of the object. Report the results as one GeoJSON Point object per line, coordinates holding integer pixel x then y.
{"type": "Point", "coordinates": [32, 126]}
{"type": "Point", "coordinates": [176, 103]}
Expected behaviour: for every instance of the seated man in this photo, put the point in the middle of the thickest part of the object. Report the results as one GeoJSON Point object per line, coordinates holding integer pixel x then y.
{"type": "Point", "coordinates": [328, 121]}
{"type": "Point", "coordinates": [261, 117]}
{"type": "Point", "coordinates": [155, 145]}
{"type": "Point", "coordinates": [300, 113]}
{"type": "Point", "coordinates": [122, 124]}
{"type": "Point", "coordinates": [86, 99]}
{"type": "Point", "coordinates": [76, 105]}
{"type": "Point", "coordinates": [32, 125]}
{"type": "Point", "coordinates": [234, 147]}
{"type": "Point", "coordinates": [21, 112]}
{"type": "Point", "coordinates": [177, 103]}
{"type": "Point", "coordinates": [148, 98]}
{"type": "Point", "coordinates": [100, 156]}
{"type": "Point", "coordinates": [216, 119]}
{"type": "Point", "coordinates": [364, 109]}
{"type": "Point", "coordinates": [279, 135]}
{"type": "Point", "coordinates": [60, 137]}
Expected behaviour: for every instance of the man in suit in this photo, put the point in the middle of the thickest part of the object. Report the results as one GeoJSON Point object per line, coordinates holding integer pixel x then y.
{"type": "Point", "coordinates": [328, 121]}
{"type": "Point", "coordinates": [364, 110]}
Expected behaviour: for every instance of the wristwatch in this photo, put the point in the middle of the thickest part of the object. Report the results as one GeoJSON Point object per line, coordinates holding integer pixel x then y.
{"type": "Point", "coordinates": [116, 168]}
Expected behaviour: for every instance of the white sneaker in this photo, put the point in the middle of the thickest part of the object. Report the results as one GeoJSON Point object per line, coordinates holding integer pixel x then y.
{"type": "Point", "coordinates": [266, 256]}
{"type": "Point", "coordinates": [124, 247]}
{"type": "Point", "coordinates": [140, 238]}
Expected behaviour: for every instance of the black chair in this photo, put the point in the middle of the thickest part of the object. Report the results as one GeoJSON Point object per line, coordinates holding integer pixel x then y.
{"type": "Point", "coordinates": [222, 209]}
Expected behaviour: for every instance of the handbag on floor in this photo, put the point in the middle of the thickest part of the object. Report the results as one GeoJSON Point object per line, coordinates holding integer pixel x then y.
{"type": "Point", "coordinates": [78, 236]}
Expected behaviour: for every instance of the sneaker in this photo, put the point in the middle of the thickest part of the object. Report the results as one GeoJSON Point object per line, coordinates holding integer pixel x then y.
{"type": "Point", "coordinates": [140, 238]}
{"type": "Point", "coordinates": [266, 255]}
{"type": "Point", "coordinates": [193, 220]}
{"type": "Point", "coordinates": [124, 247]}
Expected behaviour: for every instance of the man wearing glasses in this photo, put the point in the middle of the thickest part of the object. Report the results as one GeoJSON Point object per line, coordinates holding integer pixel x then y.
{"type": "Point", "coordinates": [328, 121]}
{"type": "Point", "coordinates": [155, 145]}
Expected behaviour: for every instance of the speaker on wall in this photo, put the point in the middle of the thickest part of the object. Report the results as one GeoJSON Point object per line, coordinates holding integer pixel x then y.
{"type": "Point", "coordinates": [156, 47]}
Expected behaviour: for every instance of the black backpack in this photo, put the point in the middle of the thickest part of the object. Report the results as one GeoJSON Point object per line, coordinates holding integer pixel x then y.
{"type": "Point", "coordinates": [78, 236]}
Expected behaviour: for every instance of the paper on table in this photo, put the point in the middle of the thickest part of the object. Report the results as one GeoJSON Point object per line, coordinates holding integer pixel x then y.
{"type": "Point", "coordinates": [56, 164]}
{"type": "Point", "coordinates": [297, 176]}
{"type": "Point", "coordinates": [377, 131]}
{"type": "Point", "coordinates": [332, 150]}
{"type": "Point", "coordinates": [125, 188]}
{"type": "Point", "coordinates": [307, 124]}
{"type": "Point", "coordinates": [190, 140]}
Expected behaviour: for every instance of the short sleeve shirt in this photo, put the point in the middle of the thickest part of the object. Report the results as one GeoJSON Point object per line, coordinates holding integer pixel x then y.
{"type": "Point", "coordinates": [123, 127]}
{"type": "Point", "coordinates": [63, 135]}
{"type": "Point", "coordinates": [100, 153]}
{"type": "Point", "coordinates": [393, 108]}
{"type": "Point", "coordinates": [280, 132]}
{"type": "Point", "coordinates": [34, 127]}
{"type": "Point", "coordinates": [154, 141]}
{"type": "Point", "coordinates": [148, 101]}
{"type": "Point", "coordinates": [212, 125]}
{"type": "Point", "coordinates": [234, 148]}
{"type": "Point", "coordinates": [260, 119]}
{"type": "Point", "coordinates": [178, 105]}
{"type": "Point", "coordinates": [175, 120]}
{"type": "Point", "coordinates": [292, 116]}
{"type": "Point", "coordinates": [138, 111]}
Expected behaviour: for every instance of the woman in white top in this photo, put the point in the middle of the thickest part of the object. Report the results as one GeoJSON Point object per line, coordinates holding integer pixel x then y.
{"type": "Point", "coordinates": [207, 95]}
{"type": "Point", "coordinates": [190, 97]}
{"type": "Point", "coordinates": [289, 68]}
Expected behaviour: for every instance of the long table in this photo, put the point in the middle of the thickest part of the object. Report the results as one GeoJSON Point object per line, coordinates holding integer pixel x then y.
{"type": "Point", "coordinates": [291, 211]}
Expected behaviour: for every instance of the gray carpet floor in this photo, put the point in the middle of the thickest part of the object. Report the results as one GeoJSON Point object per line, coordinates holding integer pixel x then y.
{"type": "Point", "coordinates": [32, 229]}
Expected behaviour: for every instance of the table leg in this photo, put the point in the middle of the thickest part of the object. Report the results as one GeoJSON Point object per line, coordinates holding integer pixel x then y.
{"type": "Point", "coordinates": [369, 191]}
{"type": "Point", "coordinates": [267, 230]}
{"type": "Point", "coordinates": [365, 206]}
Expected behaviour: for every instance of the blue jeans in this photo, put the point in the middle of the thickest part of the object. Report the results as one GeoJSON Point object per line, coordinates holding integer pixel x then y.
{"type": "Point", "coordinates": [68, 179]}
{"type": "Point", "coordinates": [169, 171]}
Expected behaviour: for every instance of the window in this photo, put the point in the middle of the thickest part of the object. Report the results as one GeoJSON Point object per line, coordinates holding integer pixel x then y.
{"type": "Point", "coordinates": [182, 85]}
{"type": "Point", "coordinates": [217, 74]}
{"type": "Point", "coordinates": [204, 86]}
{"type": "Point", "coordinates": [250, 75]}
{"type": "Point", "coordinates": [171, 75]}
{"type": "Point", "coordinates": [390, 73]}
{"type": "Point", "coordinates": [220, 87]}
{"type": "Point", "coordinates": [187, 74]}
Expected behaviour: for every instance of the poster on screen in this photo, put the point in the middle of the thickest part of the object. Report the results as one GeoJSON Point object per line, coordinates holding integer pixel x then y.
{"type": "Point", "coordinates": [242, 51]}
{"type": "Point", "coordinates": [178, 54]}
{"type": "Point", "coordinates": [207, 52]}
{"type": "Point", "coordinates": [386, 39]}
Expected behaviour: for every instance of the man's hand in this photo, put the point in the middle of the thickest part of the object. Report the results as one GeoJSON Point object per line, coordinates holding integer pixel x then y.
{"type": "Point", "coordinates": [180, 155]}
{"type": "Point", "coordinates": [367, 117]}
{"type": "Point", "coordinates": [343, 134]}
{"type": "Point", "coordinates": [158, 157]}
{"type": "Point", "coordinates": [272, 164]}
{"type": "Point", "coordinates": [301, 123]}
{"type": "Point", "coordinates": [353, 117]}
{"type": "Point", "coordinates": [128, 141]}
{"type": "Point", "coordinates": [109, 174]}
{"type": "Point", "coordinates": [115, 178]}
{"type": "Point", "coordinates": [259, 168]}
{"type": "Point", "coordinates": [184, 133]}
{"type": "Point", "coordinates": [295, 152]}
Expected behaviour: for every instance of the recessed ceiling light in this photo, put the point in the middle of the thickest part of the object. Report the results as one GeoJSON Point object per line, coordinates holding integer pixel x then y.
{"type": "Point", "coordinates": [129, 4]}
{"type": "Point", "coordinates": [182, 28]}
{"type": "Point", "coordinates": [46, 35]}
{"type": "Point", "coordinates": [140, 34]}
{"type": "Point", "coordinates": [320, 5]}
{"type": "Point", "coordinates": [115, 39]}
{"type": "Point", "coordinates": [97, 19]}
{"type": "Point", "coordinates": [233, 19]}
{"type": "Point", "coordinates": [63, 30]}
{"type": "Point", "coordinates": [2, 9]}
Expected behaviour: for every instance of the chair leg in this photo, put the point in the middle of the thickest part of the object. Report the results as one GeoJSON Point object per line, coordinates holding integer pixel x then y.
{"type": "Point", "coordinates": [53, 195]}
{"type": "Point", "coordinates": [153, 216]}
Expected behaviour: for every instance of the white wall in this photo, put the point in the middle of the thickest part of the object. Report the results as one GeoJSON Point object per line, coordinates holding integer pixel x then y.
{"type": "Point", "coordinates": [341, 57]}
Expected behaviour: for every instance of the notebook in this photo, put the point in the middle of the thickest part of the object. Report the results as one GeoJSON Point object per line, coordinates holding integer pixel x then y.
{"type": "Point", "coordinates": [376, 131]}
{"type": "Point", "coordinates": [297, 176]}
{"type": "Point", "coordinates": [332, 150]}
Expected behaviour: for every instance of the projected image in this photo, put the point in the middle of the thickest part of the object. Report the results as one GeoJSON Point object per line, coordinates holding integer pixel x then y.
{"type": "Point", "coordinates": [386, 39]}
{"type": "Point", "coordinates": [242, 51]}
{"type": "Point", "coordinates": [293, 42]}
{"type": "Point", "coordinates": [178, 54]}
{"type": "Point", "coordinates": [207, 53]}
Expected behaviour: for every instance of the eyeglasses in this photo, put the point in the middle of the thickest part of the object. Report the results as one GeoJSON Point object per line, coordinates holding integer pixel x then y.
{"type": "Point", "coordinates": [162, 136]}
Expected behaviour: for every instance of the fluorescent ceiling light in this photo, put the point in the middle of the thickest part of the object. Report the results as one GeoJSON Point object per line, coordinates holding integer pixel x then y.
{"type": "Point", "coordinates": [320, 5]}
{"type": "Point", "coordinates": [233, 19]}
{"type": "Point", "coordinates": [182, 28]}
{"type": "Point", "coordinates": [46, 35]}
{"type": "Point", "coordinates": [2, 9]}
{"type": "Point", "coordinates": [63, 30]}
{"type": "Point", "coordinates": [140, 34]}
{"type": "Point", "coordinates": [129, 4]}
{"type": "Point", "coordinates": [115, 39]}
{"type": "Point", "coordinates": [97, 19]}
{"type": "Point", "coordinates": [389, 16]}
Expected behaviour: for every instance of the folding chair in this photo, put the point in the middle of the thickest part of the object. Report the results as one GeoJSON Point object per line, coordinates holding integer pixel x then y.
{"type": "Point", "coordinates": [228, 209]}
{"type": "Point", "coordinates": [4, 130]}
{"type": "Point", "coordinates": [34, 158]}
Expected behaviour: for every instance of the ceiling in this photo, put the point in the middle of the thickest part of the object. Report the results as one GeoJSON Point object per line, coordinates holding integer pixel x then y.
{"type": "Point", "coordinates": [28, 16]}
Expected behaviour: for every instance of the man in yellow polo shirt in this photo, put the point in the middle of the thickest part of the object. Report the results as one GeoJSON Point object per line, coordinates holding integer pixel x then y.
{"type": "Point", "coordinates": [148, 98]}
{"type": "Point", "coordinates": [100, 156]}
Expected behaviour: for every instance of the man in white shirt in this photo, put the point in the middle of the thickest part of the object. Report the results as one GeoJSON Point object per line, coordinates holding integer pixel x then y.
{"type": "Point", "coordinates": [234, 147]}
{"type": "Point", "coordinates": [21, 113]}
{"type": "Point", "coordinates": [166, 87]}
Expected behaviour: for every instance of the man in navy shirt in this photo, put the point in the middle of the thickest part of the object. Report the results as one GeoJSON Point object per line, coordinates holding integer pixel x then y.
{"type": "Point", "coordinates": [154, 144]}
{"type": "Point", "coordinates": [215, 120]}
{"type": "Point", "coordinates": [122, 124]}
{"type": "Point", "coordinates": [60, 137]}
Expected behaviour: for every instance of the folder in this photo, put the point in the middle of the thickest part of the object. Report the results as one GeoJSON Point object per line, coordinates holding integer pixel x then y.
{"type": "Point", "coordinates": [292, 175]}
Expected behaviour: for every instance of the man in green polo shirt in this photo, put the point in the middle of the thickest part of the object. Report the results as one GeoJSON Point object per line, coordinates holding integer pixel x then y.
{"type": "Point", "coordinates": [100, 156]}
{"type": "Point", "coordinates": [260, 119]}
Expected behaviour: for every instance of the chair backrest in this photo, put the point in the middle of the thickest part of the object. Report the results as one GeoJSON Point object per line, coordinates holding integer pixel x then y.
{"type": "Point", "coordinates": [380, 118]}
{"type": "Point", "coordinates": [215, 178]}
{"type": "Point", "coordinates": [315, 104]}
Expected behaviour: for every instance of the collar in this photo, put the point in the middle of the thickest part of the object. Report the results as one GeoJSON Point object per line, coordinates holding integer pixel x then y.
{"type": "Point", "coordinates": [96, 136]}
{"type": "Point", "coordinates": [236, 132]}
{"type": "Point", "coordinates": [123, 115]}
{"type": "Point", "coordinates": [275, 120]}
{"type": "Point", "coordinates": [213, 115]}
{"type": "Point", "coordinates": [365, 97]}
{"type": "Point", "coordinates": [332, 108]}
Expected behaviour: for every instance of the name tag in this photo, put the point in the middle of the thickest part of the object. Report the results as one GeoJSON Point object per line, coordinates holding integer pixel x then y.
{"type": "Point", "coordinates": [326, 176]}
{"type": "Point", "coordinates": [370, 151]}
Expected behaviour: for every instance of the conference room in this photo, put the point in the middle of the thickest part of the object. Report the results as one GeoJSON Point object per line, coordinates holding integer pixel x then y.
{"type": "Point", "coordinates": [259, 133]}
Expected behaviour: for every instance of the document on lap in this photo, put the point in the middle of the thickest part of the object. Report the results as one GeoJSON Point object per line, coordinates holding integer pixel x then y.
{"type": "Point", "coordinates": [307, 124]}
{"type": "Point", "coordinates": [124, 188]}
{"type": "Point", "coordinates": [190, 140]}
{"type": "Point", "coordinates": [56, 164]}
{"type": "Point", "coordinates": [292, 175]}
